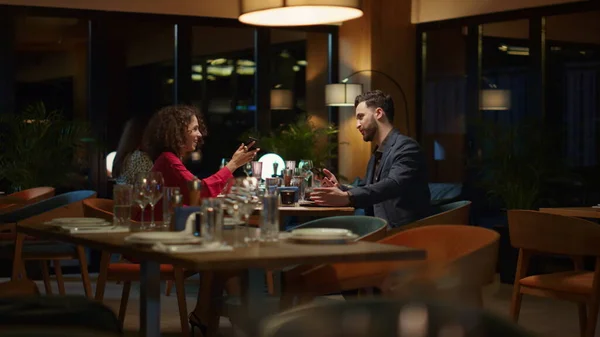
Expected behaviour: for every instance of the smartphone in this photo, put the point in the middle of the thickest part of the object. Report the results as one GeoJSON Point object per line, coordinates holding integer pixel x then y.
{"type": "Point", "coordinates": [250, 140]}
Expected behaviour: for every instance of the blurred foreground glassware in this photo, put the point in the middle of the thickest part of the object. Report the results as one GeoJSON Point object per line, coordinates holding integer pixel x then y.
{"type": "Point", "coordinates": [269, 216]}
{"type": "Point", "coordinates": [172, 199]}
{"type": "Point", "coordinates": [212, 220]}
{"type": "Point", "coordinates": [122, 202]}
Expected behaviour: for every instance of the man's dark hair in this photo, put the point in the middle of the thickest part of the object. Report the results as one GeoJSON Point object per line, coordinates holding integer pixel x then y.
{"type": "Point", "coordinates": [377, 99]}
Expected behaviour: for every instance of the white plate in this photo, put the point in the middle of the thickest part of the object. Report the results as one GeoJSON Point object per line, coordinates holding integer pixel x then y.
{"type": "Point", "coordinates": [320, 232]}
{"type": "Point", "coordinates": [61, 221]}
{"type": "Point", "coordinates": [340, 239]}
{"type": "Point", "coordinates": [163, 237]}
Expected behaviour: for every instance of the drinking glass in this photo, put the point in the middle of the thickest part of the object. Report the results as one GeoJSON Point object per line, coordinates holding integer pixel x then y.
{"type": "Point", "coordinates": [257, 169]}
{"type": "Point", "coordinates": [172, 199]}
{"type": "Point", "coordinates": [290, 164]}
{"type": "Point", "coordinates": [212, 220]}
{"type": "Point", "coordinates": [269, 216]}
{"type": "Point", "coordinates": [273, 183]}
{"type": "Point", "coordinates": [232, 208]}
{"type": "Point", "coordinates": [122, 198]}
{"type": "Point", "coordinates": [248, 169]}
{"type": "Point", "coordinates": [140, 195]}
{"type": "Point", "coordinates": [298, 181]}
{"type": "Point", "coordinates": [155, 185]}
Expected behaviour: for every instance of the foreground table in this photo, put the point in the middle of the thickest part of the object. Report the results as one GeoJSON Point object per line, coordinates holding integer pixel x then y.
{"type": "Point", "coordinates": [253, 258]}
{"type": "Point", "coordinates": [577, 212]}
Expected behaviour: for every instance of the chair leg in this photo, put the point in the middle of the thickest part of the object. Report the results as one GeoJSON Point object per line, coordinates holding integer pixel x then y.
{"type": "Point", "coordinates": [180, 289]}
{"type": "Point", "coordinates": [59, 277]}
{"type": "Point", "coordinates": [46, 277]}
{"type": "Point", "coordinates": [522, 265]}
{"type": "Point", "coordinates": [270, 285]}
{"type": "Point", "coordinates": [124, 300]}
{"type": "Point", "coordinates": [102, 274]}
{"type": "Point", "coordinates": [18, 263]}
{"type": "Point", "coordinates": [169, 288]}
{"type": "Point", "coordinates": [85, 276]}
{"type": "Point", "coordinates": [582, 318]}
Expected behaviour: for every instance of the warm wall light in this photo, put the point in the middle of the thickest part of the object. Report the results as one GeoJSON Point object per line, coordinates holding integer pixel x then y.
{"type": "Point", "coordinates": [298, 12]}
{"type": "Point", "coordinates": [342, 94]}
{"type": "Point", "coordinates": [282, 99]}
{"type": "Point", "coordinates": [494, 99]}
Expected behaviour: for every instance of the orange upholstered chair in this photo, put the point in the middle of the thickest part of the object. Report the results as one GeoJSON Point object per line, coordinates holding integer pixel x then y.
{"type": "Point", "coordinates": [129, 272]}
{"type": "Point", "coordinates": [471, 251]}
{"type": "Point", "coordinates": [533, 233]}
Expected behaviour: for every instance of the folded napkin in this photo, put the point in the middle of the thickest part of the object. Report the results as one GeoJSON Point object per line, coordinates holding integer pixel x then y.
{"type": "Point", "coordinates": [96, 230]}
{"type": "Point", "coordinates": [191, 248]}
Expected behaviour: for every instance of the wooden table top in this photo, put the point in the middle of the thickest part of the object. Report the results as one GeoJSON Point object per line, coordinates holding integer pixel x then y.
{"type": "Point", "coordinates": [577, 212]}
{"type": "Point", "coordinates": [260, 255]}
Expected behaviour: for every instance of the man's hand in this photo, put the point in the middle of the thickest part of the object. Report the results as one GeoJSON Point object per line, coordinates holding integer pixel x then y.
{"type": "Point", "coordinates": [330, 196]}
{"type": "Point", "coordinates": [329, 180]}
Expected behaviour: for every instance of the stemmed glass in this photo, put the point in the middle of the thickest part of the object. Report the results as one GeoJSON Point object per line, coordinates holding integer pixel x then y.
{"type": "Point", "coordinates": [140, 194]}
{"type": "Point", "coordinates": [248, 169]}
{"type": "Point", "coordinates": [306, 167]}
{"type": "Point", "coordinates": [155, 185]}
{"type": "Point", "coordinates": [245, 191]}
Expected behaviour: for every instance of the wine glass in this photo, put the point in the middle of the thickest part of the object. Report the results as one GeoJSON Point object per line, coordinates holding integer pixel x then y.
{"type": "Point", "coordinates": [140, 194]}
{"type": "Point", "coordinates": [155, 185]}
{"type": "Point", "coordinates": [248, 169]}
{"type": "Point", "coordinates": [306, 167]}
{"type": "Point", "coordinates": [246, 193]}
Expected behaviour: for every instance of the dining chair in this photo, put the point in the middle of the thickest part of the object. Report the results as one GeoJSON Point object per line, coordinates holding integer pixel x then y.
{"type": "Point", "coordinates": [130, 272]}
{"type": "Point", "coordinates": [470, 251]}
{"type": "Point", "coordinates": [454, 213]}
{"type": "Point", "coordinates": [22, 248]}
{"type": "Point", "coordinates": [26, 197]}
{"type": "Point", "coordinates": [534, 232]}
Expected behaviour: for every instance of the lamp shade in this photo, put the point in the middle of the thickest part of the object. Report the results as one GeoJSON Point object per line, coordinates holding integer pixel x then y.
{"type": "Point", "coordinates": [494, 99]}
{"type": "Point", "coordinates": [342, 94]}
{"type": "Point", "coordinates": [282, 99]}
{"type": "Point", "coordinates": [298, 12]}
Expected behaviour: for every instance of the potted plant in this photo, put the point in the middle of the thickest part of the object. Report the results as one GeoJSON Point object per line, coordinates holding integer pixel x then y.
{"type": "Point", "coordinates": [40, 148]}
{"type": "Point", "coordinates": [512, 165]}
{"type": "Point", "coordinates": [300, 140]}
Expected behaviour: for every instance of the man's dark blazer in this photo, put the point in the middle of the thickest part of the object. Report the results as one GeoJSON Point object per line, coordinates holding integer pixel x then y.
{"type": "Point", "coordinates": [400, 194]}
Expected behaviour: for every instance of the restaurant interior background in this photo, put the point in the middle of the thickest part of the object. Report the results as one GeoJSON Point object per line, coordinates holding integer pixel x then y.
{"type": "Point", "coordinates": [105, 67]}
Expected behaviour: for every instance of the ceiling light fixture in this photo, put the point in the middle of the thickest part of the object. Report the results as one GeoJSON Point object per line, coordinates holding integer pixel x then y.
{"type": "Point", "coordinates": [298, 12]}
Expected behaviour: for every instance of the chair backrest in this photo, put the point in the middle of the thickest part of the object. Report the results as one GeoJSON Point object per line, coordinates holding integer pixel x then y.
{"type": "Point", "coordinates": [28, 197]}
{"type": "Point", "coordinates": [551, 233]}
{"type": "Point", "coordinates": [454, 213]}
{"type": "Point", "coordinates": [368, 228]}
{"type": "Point", "coordinates": [98, 208]}
{"type": "Point", "coordinates": [387, 317]}
{"type": "Point", "coordinates": [472, 251]}
{"type": "Point", "coordinates": [47, 205]}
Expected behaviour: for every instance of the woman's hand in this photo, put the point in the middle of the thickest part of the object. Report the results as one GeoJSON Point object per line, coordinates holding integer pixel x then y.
{"type": "Point", "coordinates": [241, 156]}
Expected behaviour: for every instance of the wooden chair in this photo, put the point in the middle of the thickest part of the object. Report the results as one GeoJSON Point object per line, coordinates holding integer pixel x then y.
{"type": "Point", "coordinates": [130, 272]}
{"type": "Point", "coordinates": [454, 213]}
{"type": "Point", "coordinates": [26, 197]}
{"type": "Point", "coordinates": [471, 251]}
{"type": "Point", "coordinates": [18, 288]}
{"type": "Point", "coordinates": [534, 232]}
{"type": "Point", "coordinates": [64, 205]}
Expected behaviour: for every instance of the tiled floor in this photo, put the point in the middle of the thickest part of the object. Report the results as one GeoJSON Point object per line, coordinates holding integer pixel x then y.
{"type": "Point", "coordinates": [544, 317]}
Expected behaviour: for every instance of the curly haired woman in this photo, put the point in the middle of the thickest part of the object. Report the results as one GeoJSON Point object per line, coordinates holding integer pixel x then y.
{"type": "Point", "coordinates": [177, 130]}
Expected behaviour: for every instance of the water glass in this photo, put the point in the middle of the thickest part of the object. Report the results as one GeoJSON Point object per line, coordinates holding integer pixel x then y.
{"type": "Point", "coordinates": [272, 183]}
{"type": "Point", "coordinates": [290, 164]}
{"type": "Point", "coordinates": [122, 200]}
{"type": "Point", "coordinates": [298, 181]}
{"type": "Point", "coordinates": [172, 199]}
{"type": "Point", "coordinates": [212, 220]}
{"type": "Point", "coordinates": [257, 169]}
{"type": "Point", "coordinates": [269, 217]}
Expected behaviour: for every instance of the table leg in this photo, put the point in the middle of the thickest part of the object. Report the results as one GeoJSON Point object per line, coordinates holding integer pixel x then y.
{"type": "Point", "coordinates": [256, 302]}
{"type": "Point", "coordinates": [150, 299]}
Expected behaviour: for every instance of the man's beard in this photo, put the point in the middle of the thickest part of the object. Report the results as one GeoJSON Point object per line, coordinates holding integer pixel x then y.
{"type": "Point", "coordinates": [369, 135]}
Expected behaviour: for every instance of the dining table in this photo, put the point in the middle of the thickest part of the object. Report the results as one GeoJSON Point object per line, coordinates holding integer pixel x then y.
{"type": "Point", "coordinates": [253, 259]}
{"type": "Point", "coordinates": [577, 212]}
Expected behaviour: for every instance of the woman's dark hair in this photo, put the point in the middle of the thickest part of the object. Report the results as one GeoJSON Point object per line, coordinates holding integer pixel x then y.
{"type": "Point", "coordinates": [131, 140]}
{"type": "Point", "coordinates": [167, 129]}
